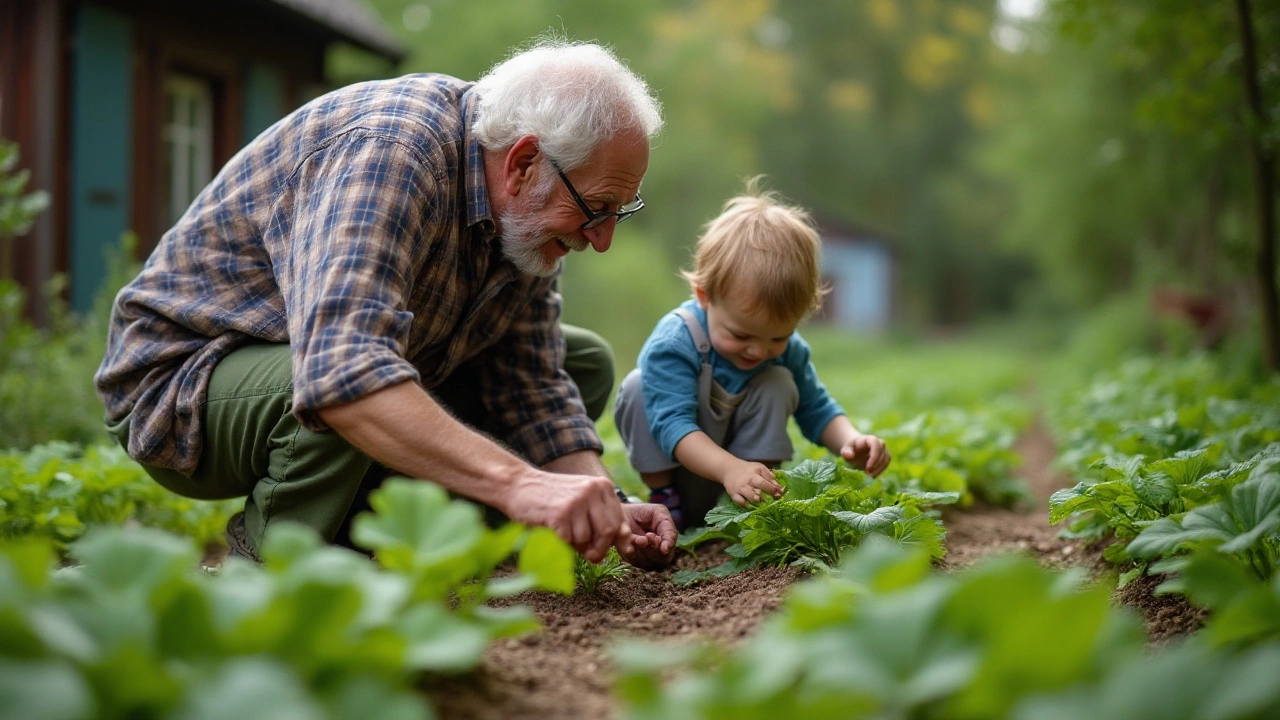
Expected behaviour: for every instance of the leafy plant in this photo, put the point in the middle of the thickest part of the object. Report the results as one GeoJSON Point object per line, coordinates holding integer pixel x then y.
{"type": "Point", "coordinates": [826, 508]}
{"type": "Point", "coordinates": [46, 372]}
{"type": "Point", "coordinates": [135, 631]}
{"type": "Point", "coordinates": [18, 208]}
{"type": "Point", "coordinates": [589, 575]}
{"type": "Point", "coordinates": [58, 491]}
{"type": "Point", "coordinates": [1245, 523]}
{"type": "Point", "coordinates": [885, 636]}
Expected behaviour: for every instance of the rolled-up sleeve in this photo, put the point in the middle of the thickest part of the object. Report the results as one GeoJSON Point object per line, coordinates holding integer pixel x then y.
{"type": "Point", "coordinates": [527, 389]}
{"type": "Point", "coordinates": [345, 262]}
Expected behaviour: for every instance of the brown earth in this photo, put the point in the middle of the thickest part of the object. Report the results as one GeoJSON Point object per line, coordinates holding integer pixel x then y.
{"type": "Point", "coordinates": [564, 671]}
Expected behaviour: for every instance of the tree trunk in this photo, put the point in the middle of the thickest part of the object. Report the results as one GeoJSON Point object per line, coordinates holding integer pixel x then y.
{"type": "Point", "coordinates": [1264, 173]}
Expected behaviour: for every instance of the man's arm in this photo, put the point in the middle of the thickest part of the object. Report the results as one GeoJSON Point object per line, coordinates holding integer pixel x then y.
{"type": "Point", "coordinates": [404, 428]}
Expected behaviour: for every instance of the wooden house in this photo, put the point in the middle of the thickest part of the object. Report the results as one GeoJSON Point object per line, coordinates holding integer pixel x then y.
{"type": "Point", "coordinates": [124, 109]}
{"type": "Point", "coordinates": [861, 268]}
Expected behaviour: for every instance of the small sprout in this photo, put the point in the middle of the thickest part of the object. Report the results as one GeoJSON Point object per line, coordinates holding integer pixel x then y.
{"type": "Point", "coordinates": [590, 575]}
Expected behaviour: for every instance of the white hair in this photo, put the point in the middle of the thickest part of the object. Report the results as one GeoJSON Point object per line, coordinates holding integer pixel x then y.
{"type": "Point", "coordinates": [571, 96]}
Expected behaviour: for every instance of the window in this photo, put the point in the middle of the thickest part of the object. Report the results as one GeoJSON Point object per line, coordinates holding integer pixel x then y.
{"type": "Point", "coordinates": [188, 141]}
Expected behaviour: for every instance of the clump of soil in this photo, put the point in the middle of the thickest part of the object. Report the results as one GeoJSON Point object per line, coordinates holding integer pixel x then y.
{"type": "Point", "coordinates": [565, 672]}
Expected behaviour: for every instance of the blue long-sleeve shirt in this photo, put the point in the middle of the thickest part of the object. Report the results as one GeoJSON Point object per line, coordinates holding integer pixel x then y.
{"type": "Point", "coordinates": [669, 367]}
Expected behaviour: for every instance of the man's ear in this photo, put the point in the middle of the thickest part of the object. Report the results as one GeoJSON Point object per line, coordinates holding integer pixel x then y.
{"type": "Point", "coordinates": [519, 168]}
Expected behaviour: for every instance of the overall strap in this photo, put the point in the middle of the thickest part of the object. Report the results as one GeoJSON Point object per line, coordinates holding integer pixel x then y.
{"type": "Point", "coordinates": [700, 339]}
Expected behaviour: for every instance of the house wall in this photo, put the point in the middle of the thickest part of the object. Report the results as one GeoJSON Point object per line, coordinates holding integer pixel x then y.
{"type": "Point", "coordinates": [81, 90]}
{"type": "Point", "coordinates": [101, 145]}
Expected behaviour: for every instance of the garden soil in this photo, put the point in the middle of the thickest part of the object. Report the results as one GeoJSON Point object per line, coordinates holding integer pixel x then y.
{"type": "Point", "coordinates": [564, 671]}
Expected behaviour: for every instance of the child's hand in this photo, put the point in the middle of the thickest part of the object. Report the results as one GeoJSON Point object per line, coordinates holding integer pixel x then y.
{"type": "Point", "coordinates": [866, 452]}
{"type": "Point", "coordinates": [747, 479]}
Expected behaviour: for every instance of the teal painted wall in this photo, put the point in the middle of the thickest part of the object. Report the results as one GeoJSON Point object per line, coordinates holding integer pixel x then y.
{"type": "Point", "coordinates": [264, 101]}
{"type": "Point", "coordinates": [101, 146]}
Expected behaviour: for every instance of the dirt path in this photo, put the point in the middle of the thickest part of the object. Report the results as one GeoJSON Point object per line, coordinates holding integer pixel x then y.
{"type": "Point", "coordinates": [564, 671]}
{"type": "Point", "coordinates": [977, 531]}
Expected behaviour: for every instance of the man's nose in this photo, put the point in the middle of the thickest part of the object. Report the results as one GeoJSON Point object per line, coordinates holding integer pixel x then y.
{"type": "Point", "coordinates": [601, 236]}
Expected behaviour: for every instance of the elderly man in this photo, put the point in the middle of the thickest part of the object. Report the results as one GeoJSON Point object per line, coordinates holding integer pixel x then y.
{"type": "Point", "coordinates": [369, 287]}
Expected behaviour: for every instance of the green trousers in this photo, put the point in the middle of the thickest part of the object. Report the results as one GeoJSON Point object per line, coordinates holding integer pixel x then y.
{"type": "Point", "coordinates": [255, 448]}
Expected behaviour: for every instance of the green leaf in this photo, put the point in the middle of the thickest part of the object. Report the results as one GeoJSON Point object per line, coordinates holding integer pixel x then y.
{"type": "Point", "coordinates": [808, 479]}
{"type": "Point", "coordinates": [43, 690]}
{"type": "Point", "coordinates": [1067, 501]}
{"type": "Point", "coordinates": [1165, 536]}
{"type": "Point", "coordinates": [880, 520]}
{"type": "Point", "coordinates": [246, 688]}
{"type": "Point", "coordinates": [440, 641]}
{"type": "Point", "coordinates": [416, 527]}
{"type": "Point", "coordinates": [922, 531]}
{"type": "Point", "coordinates": [361, 698]}
{"type": "Point", "coordinates": [285, 542]}
{"type": "Point", "coordinates": [546, 557]}
{"type": "Point", "coordinates": [1255, 503]}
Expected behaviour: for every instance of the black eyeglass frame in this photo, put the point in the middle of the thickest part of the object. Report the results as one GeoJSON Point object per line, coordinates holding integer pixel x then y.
{"type": "Point", "coordinates": [595, 219]}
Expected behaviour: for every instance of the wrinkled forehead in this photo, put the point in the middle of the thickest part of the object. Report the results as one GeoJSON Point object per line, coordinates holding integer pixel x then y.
{"type": "Point", "coordinates": [616, 166]}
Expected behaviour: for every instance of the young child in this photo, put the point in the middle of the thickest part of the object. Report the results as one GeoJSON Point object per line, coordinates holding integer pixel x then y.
{"type": "Point", "coordinates": [706, 409]}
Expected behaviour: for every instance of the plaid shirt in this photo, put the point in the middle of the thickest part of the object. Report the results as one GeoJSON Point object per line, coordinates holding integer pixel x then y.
{"type": "Point", "coordinates": [357, 229]}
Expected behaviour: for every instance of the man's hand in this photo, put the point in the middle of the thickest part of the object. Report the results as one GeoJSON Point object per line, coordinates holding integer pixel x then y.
{"type": "Point", "coordinates": [866, 452]}
{"type": "Point", "coordinates": [653, 536]}
{"type": "Point", "coordinates": [582, 509]}
{"type": "Point", "coordinates": [746, 480]}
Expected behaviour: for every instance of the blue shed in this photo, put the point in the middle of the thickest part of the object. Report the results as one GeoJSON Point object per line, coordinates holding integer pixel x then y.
{"type": "Point", "coordinates": [861, 268]}
{"type": "Point", "coordinates": [124, 109]}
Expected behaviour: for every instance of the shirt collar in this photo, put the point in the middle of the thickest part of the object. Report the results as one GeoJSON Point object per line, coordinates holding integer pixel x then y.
{"type": "Point", "coordinates": [478, 212]}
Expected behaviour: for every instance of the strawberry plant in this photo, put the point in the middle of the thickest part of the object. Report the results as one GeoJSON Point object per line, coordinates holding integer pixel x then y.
{"type": "Point", "coordinates": [825, 509]}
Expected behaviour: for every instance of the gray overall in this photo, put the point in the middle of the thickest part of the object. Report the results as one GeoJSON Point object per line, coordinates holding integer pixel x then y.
{"type": "Point", "coordinates": [751, 424]}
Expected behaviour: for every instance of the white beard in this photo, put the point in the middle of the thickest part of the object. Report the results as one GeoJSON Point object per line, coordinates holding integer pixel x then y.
{"type": "Point", "coordinates": [523, 239]}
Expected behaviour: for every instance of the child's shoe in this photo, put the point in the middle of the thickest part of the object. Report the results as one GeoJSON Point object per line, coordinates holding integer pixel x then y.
{"type": "Point", "coordinates": [668, 497]}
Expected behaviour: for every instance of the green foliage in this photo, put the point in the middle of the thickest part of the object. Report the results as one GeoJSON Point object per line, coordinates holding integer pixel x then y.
{"type": "Point", "coordinates": [18, 208]}
{"type": "Point", "coordinates": [46, 373]}
{"type": "Point", "coordinates": [883, 636]}
{"type": "Point", "coordinates": [1244, 523]}
{"type": "Point", "coordinates": [1137, 108]}
{"type": "Point", "coordinates": [135, 631]}
{"type": "Point", "coordinates": [590, 575]}
{"type": "Point", "coordinates": [1161, 443]}
{"type": "Point", "coordinates": [825, 509]}
{"type": "Point", "coordinates": [957, 450]}
{"type": "Point", "coordinates": [58, 491]}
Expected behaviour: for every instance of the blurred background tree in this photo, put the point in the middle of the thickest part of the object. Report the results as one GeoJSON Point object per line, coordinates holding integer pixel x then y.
{"type": "Point", "coordinates": [1034, 159]}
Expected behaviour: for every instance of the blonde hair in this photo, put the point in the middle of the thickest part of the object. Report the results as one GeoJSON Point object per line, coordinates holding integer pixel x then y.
{"type": "Point", "coordinates": [761, 244]}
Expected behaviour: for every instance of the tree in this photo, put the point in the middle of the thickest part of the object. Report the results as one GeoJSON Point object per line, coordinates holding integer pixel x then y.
{"type": "Point", "coordinates": [1196, 54]}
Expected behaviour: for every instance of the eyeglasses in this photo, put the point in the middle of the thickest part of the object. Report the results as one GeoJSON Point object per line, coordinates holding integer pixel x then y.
{"type": "Point", "coordinates": [595, 219]}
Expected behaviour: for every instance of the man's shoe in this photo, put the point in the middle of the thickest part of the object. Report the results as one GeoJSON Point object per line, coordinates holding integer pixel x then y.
{"type": "Point", "coordinates": [238, 539]}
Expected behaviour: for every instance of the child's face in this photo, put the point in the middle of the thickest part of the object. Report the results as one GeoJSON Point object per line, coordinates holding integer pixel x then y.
{"type": "Point", "coordinates": [743, 337]}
